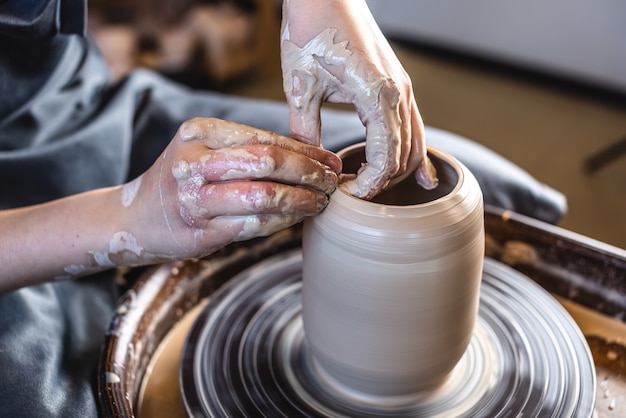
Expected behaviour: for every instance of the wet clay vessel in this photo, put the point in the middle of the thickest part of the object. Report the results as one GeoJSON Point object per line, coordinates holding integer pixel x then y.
{"type": "Point", "coordinates": [391, 286]}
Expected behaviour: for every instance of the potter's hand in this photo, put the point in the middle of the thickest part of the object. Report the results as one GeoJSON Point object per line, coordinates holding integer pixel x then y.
{"type": "Point", "coordinates": [332, 50]}
{"type": "Point", "coordinates": [219, 182]}
{"type": "Point", "coordinates": [215, 183]}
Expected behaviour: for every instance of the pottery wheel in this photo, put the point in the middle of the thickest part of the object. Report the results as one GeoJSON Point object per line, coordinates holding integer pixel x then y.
{"type": "Point", "coordinates": [246, 355]}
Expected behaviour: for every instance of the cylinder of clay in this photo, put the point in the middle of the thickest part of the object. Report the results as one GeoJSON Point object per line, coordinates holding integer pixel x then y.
{"type": "Point", "coordinates": [391, 286]}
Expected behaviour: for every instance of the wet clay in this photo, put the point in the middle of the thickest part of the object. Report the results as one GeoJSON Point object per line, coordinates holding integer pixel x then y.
{"type": "Point", "coordinates": [391, 287]}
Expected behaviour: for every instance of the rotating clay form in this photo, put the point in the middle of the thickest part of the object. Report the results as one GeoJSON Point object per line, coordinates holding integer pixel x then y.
{"type": "Point", "coordinates": [391, 286]}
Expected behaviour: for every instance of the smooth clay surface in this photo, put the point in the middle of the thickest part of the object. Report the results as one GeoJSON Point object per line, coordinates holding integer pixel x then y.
{"type": "Point", "coordinates": [391, 287]}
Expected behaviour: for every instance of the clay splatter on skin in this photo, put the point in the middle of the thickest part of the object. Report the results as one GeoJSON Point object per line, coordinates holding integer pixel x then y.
{"type": "Point", "coordinates": [129, 191]}
{"type": "Point", "coordinates": [189, 185]}
{"type": "Point", "coordinates": [123, 248]}
{"type": "Point", "coordinates": [248, 165]}
{"type": "Point", "coordinates": [189, 192]}
{"type": "Point", "coordinates": [258, 198]}
{"type": "Point", "coordinates": [120, 243]}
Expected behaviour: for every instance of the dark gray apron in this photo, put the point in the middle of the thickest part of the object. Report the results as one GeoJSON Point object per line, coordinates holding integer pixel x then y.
{"type": "Point", "coordinates": [64, 130]}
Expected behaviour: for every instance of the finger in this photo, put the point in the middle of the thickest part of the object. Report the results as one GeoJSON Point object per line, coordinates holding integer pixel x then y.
{"type": "Point", "coordinates": [408, 155]}
{"type": "Point", "coordinates": [242, 228]}
{"type": "Point", "coordinates": [217, 134]}
{"type": "Point", "coordinates": [414, 142]}
{"type": "Point", "coordinates": [407, 140]}
{"type": "Point", "coordinates": [383, 144]}
{"type": "Point", "coordinates": [305, 100]}
{"type": "Point", "coordinates": [256, 162]}
{"type": "Point", "coordinates": [303, 84]}
{"type": "Point", "coordinates": [201, 204]}
{"type": "Point", "coordinates": [421, 166]}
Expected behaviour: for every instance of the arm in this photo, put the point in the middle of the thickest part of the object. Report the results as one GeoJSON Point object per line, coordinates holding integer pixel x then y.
{"type": "Point", "coordinates": [216, 183]}
{"type": "Point", "coordinates": [333, 50]}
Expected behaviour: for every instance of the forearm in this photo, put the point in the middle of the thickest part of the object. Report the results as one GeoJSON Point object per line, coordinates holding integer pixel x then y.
{"type": "Point", "coordinates": [216, 183]}
{"type": "Point", "coordinates": [58, 239]}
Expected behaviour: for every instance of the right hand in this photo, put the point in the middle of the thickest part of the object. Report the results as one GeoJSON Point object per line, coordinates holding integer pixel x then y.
{"type": "Point", "coordinates": [333, 50]}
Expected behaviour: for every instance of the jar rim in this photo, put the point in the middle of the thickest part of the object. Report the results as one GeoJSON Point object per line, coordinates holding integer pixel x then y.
{"type": "Point", "coordinates": [447, 191]}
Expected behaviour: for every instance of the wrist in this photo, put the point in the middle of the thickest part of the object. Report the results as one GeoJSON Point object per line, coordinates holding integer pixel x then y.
{"type": "Point", "coordinates": [52, 240]}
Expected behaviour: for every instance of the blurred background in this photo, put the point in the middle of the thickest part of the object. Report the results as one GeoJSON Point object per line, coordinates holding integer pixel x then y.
{"type": "Point", "coordinates": [543, 83]}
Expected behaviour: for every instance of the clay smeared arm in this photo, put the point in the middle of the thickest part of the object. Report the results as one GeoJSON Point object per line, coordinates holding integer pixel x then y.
{"type": "Point", "coordinates": [216, 183]}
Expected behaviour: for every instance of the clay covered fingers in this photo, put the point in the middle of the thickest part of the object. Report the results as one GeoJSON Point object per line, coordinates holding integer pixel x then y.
{"type": "Point", "coordinates": [240, 177]}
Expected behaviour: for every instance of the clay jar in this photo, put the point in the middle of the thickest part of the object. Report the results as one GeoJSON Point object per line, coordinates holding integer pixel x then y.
{"type": "Point", "coordinates": [391, 286]}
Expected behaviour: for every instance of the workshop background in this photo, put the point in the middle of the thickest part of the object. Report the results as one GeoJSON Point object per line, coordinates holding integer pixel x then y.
{"type": "Point", "coordinates": [541, 83]}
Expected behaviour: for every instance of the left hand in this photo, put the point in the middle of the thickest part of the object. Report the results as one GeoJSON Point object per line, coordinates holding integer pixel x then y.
{"type": "Point", "coordinates": [333, 50]}
{"type": "Point", "coordinates": [218, 182]}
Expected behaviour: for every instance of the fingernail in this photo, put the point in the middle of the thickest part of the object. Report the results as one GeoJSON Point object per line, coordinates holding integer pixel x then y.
{"type": "Point", "coordinates": [181, 170]}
